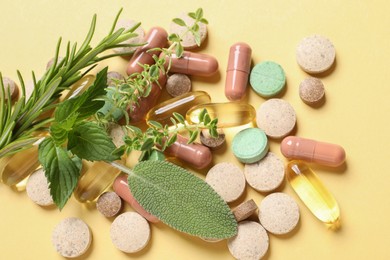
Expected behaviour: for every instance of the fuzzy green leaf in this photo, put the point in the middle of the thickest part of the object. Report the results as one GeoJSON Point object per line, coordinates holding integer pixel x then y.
{"type": "Point", "coordinates": [181, 200]}
{"type": "Point", "coordinates": [91, 142]}
{"type": "Point", "coordinates": [179, 21]}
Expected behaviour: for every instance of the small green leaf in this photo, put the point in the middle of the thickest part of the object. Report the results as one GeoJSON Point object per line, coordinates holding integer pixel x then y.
{"type": "Point", "coordinates": [91, 142]}
{"type": "Point", "coordinates": [156, 156]}
{"type": "Point", "coordinates": [179, 117]}
{"type": "Point", "coordinates": [179, 21]}
{"type": "Point", "coordinates": [213, 132]}
{"type": "Point", "coordinates": [199, 14]}
{"type": "Point", "coordinates": [179, 50]}
{"type": "Point", "coordinates": [204, 20]}
{"type": "Point", "coordinates": [193, 136]}
{"type": "Point", "coordinates": [202, 114]}
{"type": "Point", "coordinates": [174, 37]}
{"type": "Point", "coordinates": [134, 129]}
{"type": "Point", "coordinates": [192, 15]}
{"type": "Point", "coordinates": [61, 169]}
{"type": "Point", "coordinates": [172, 139]}
{"type": "Point", "coordinates": [59, 130]}
{"type": "Point", "coordinates": [155, 124]}
{"type": "Point", "coordinates": [197, 38]}
{"type": "Point", "coordinates": [181, 200]}
{"type": "Point", "coordinates": [206, 119]}
{"type": "Point", "coordinates": [148, 144]}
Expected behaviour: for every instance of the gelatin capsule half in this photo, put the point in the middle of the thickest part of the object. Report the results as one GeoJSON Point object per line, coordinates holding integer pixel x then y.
{"type": "Point", "coordinates": [312, 192]}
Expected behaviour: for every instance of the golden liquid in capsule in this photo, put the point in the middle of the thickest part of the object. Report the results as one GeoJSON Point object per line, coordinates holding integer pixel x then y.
{"type": "Point", "coordinates": [229, 114]}
{"type": "Point", "coordinates": [313, 193]}
{"type": "Point", "coordinates": [180, 104]}
{"type": "Point", "coordinates": [95, 179]}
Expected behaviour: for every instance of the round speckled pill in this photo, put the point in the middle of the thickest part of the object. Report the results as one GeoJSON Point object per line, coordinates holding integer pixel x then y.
{"type": "Point", "coordinates": [276, 118]}
{"type": "Point", "coordinates": [117, 133]}
{"type": "Point", "coordinates": [211, 142]}
{"type": "Point", "coordinates": [244, 210]}
{"type": "Point", "coordinates": [130, 232]}
{"type": "Point", "coordinates": [11, 88]}
{"type": "Point", "coordinates": [311, 91]}
{"type": "Point", "coordinates": [315, 54]}
{"type": "Point", "coordinates": [178, 84]}
{"type": "Point", "coordinates": [188, 39]}
{"type": "Point", "coordinates": [267, 79]}
{"type": "Point", "coordinates": [251, 241]}
{"type": "Point", "coordinates": [109, 204]}
{"type": "Point", "coordinates": [265, 175]}
{"type": "Point", "coordinates": [139, 39]}
{"type": "Point", "coordinates": [227, 180]}
{"type": "Point", "coordinates": [37, 188]}
{"type": "Point", "coordinates": [71, 237]}
{"type": "Point", "coordinates": [250, 145]}
{"type": "Point", "coordinates": [278, 213]}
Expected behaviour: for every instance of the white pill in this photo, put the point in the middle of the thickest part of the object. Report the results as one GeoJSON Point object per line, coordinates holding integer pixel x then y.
{"type": "Point", "coordinates": [37, 188]}
{"type": "Point", "coordinates": [278, 213]}
{"type": "Point", "coordinates": [227, 180]}
{"type": "Point", "coordinates": [265, 175]}
{"type": "Point", "coordinates": [130, 232]}
{"type": "Point", "coordinates": [251, 241]}
{"type": "Point", "coordinates": [71, 237]}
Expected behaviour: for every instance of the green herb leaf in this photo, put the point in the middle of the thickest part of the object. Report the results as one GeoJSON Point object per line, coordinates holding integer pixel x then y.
{"type": "Point", "coordinates": [192, 15]}
{"type": "Point", "coordinates": [59, 130]}
{"type": "Point", "coordinates": [202, 114]}
{"type": "Point", "coordinates": [181, 200]}
{"type": "Point", "coordinates": [179, 22]}
{"type": "Point", "coordinates": [179, 50]}
{"type": "Point", "coordinates": [179, 117]}
{"type": "Point", "coordinates": [155, 124]}
{"type": "Point", "coordinates": [148, 144]}
{"type": "Point", "coordinates": [91, 142]}
{"type": "Point", "coordinates": [193, 136]}
{"type": "Point", "coordinates": [61, 169]}
{"type": "Point", "coordinates": [199, 13]}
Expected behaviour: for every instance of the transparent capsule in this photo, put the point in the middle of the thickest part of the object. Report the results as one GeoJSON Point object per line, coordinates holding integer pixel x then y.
{"type": "Point", "coordinates": [313, 193]}
{"type": "Point", "coordinates": [180, 104]}
{"type": "Point", "coordinates": [229, 114]}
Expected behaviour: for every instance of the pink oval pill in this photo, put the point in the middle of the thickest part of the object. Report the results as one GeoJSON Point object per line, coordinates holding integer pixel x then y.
{"type": "Point", "coordinates": [156, 38]}
{"type": "Point", "coordinates": [196, 64]}
{"type": "Point", "coordinates": [322, 153]}
{"type": "Point", "coordinates": [239, 65]}
{"type": "Point", "coordinates": [121, 187]}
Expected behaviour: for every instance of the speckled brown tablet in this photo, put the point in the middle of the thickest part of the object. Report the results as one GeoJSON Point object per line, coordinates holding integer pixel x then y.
{"type": "Point", "coordinates": [211, 142]}
{"type": "Point", "coordinates": [245, 210]}
{"type": "Point", "coordinates": [178, 84]}
{"type": "Point", "coordinates": [315, 54]}
{"type": "Point", "coordinates": [227, 180]}
{"type": "Point", "coordinates": [188, 39]}
{"type": "Point", "coordinates": [311, 91]}
{"type": "Point", "coordinates": [265, 175]}
{"type": "Point", "coordinates": [127, 24]}
{"type": "Point", "coordinates": [278, 213]}
{"type": "Point", "coordinates": [109, 204]}
{"type": "Point", "coordinates": [71, 237]}
{"type": "Point", "coordinates": [113, 75]}
{"type": "Point", "coordinates": [11, 88]}
{"type": "Point", "coordinates": [130, 232]}
{"type": "Point", "coordinates": [276, 118]}
{"type": "Point", "coordinates": [251, 241]}
{"type": "Point", "coordinates": [37, 188]}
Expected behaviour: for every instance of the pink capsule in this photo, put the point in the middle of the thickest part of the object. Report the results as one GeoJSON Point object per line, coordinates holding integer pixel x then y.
{"type": "Point", "coordinates": [121, 187]}
{"type": "Point", "coordinates": [156, 38]}
{"type": "Point", "coordinates": [309, 150]}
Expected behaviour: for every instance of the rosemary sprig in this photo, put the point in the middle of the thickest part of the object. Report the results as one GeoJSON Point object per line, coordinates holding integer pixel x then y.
{"type": "Point", "coordinates": [16, 124]}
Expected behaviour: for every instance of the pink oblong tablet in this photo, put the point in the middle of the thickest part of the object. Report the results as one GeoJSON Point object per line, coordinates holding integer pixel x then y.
{"type": "Point", "coordinates": [121, 187]}
{"type": "Point", "coordinates": [322, 153]}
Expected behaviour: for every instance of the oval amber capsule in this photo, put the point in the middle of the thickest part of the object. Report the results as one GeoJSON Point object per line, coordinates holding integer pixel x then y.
{"type": "Point", "coordinates": [312, 192]}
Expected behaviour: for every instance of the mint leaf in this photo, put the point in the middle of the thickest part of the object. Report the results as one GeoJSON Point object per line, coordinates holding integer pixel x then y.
{"type": "Point", "coordinates": [61, 169]}
{"type": "Point", "coordinates": [91, 142]}
{"type": "Point", "coordinates": [181, 200]}
{"type": "Point", "coordinates": [59, 130]}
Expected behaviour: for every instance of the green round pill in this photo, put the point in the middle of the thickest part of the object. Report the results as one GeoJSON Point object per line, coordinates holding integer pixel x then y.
{"type": "Point", "coordinates": [250, 145]}
{"type": "Point", "coordinates": [267, 79]}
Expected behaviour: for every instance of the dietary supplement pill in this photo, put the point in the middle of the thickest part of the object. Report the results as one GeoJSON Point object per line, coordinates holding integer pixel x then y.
{"type": "Point", "coordinates": [213, 143]}
{"type": "Point", "coordinates": [109, 204]}
{"type": "Point", "coordinates": [11, 88]}
{"type": "Point", "coordinates": [245, 210]}
{"type": "Point", "coordinates": [178, 84]}
{"type": "Point", "coordinates": [311, 91]}
{"type": "Point", "coordinates": [267, 79]}
{"type": "Point", "coordinates": [250, 145]}
{"type": "Point", "coordinates": [37, 188]}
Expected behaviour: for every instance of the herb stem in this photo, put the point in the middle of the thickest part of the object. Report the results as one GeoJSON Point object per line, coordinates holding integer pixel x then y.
{"type": "Point", "coordinates": [121, 167]}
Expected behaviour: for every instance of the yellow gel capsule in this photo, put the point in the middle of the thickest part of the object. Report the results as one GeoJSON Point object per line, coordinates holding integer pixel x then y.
{"type": "Point", "coordinates": [229, 114]}
{"type": "Point", "coordinates": [180, 104]}
{"type": "Point", "coordinates": [312, 192]}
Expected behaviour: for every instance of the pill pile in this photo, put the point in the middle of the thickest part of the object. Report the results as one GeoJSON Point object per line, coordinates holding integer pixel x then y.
{"type": "Point", "coordinates": [277, 213]}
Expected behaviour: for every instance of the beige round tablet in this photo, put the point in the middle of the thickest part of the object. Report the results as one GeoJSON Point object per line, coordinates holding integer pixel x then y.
{"type": "Point", "coordinates": [11, 88]}
{"type": "Point", "coordinates": [311, 91]}
{"type": "Point", "coordinates": [109, 204]}
{"type": "Point", "coordinates": [139, 39]}
{"type": "Point", "coordinates": [245, 210]}
{"type": "Point", "coordinates": [188, 39]}
{"type": "Point", "coordinates": [37, 188]}
{"type": "Point", "coordinates": [276, 118]}
{"type": "Point", "coordinates": [265, 175]}
{"type": "Point", "coordinates": [315, 54]}
{"type": "Point", "coordinates": [178, 84]}
{"type": "Point", "coordinates": [251, 241]}
{"type": "Point", "coordinates": [113, 75]}
{"type": "Point", "coordinates": [227, 180]}
{"type": "Point", "coordinates": [278, 213]}
{"type": "Point", "coordinates": [211, 142]}
{"type": "Point", "coordinates": [130, 232]}
{"type": "Point", "coordinates": [71, 237]}
{"type": "Point", "coordinates": [117, 133]}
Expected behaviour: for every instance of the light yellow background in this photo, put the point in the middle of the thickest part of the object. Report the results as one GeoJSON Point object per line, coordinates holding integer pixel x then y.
{"type": "Point", "coordinates": [355, 115]}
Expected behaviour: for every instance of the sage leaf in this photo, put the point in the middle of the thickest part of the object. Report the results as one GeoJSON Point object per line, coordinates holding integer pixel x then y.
{"type": "Point", "coordinates": [62, 170]}
{"type": "Point", "coordinates": [91, 142]}
{"type": "Point", "coordinates": [181, 200]}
